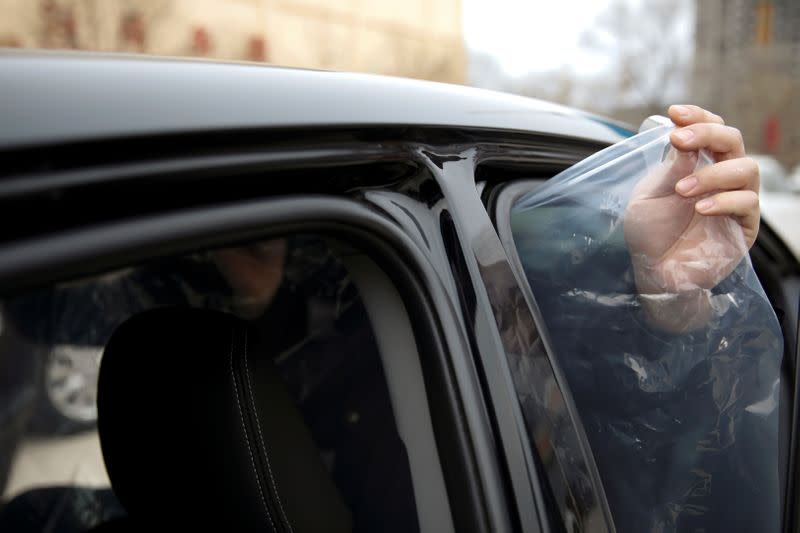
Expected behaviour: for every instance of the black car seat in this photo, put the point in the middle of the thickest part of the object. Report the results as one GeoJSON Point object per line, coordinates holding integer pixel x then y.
{"type": "Point", "coordinates": [198, 430]}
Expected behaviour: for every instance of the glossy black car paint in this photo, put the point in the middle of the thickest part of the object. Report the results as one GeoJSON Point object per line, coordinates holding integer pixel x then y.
{"type": "Point", "coordinates": [411, 206]}
{"type": "Point", "coordinates": [134, 159]}
{"type": "Point", "coordinates": [64, 97]}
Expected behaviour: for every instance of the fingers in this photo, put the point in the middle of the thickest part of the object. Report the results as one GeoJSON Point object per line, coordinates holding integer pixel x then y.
{"type": "Point", "coordinates": [699, 128]}
{"type": "Point", "coordinates": [660, 181]}
{"type": "Point", "coordinates": [679, 164]}
{"type": "Point", "coordinates": [726, 142]}
{"type": "Point", "coordinates": [742, 204]}
{"type": "Point", "coordinates": [684, 115]}
{"type": "Point", "coordinates": [733, 174]}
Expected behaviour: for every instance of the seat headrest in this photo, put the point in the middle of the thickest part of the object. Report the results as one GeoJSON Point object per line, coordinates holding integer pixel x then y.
{"type": "Point", "coordinates": [196, 426]}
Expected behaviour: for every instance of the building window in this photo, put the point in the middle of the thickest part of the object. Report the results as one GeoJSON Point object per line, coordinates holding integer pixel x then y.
{"type": "Point", "coordinates": [201, 41]}
{"type": "Point", "coordinates": [765, 13]}
{"type": "Point", "coordinates": [133, 32]}
{"type": "Point", "coordinates": [256, 48]}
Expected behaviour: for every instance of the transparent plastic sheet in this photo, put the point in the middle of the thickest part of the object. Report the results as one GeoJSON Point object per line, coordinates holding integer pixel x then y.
{"type": "Point", "coordinates": [669, 345]}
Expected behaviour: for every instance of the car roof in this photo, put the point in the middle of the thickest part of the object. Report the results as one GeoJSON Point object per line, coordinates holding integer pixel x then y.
{"type": "Point", "coordinates": [56, 97]}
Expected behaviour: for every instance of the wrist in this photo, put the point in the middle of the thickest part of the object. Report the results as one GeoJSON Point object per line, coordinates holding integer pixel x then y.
{"type": "Point", "coordinates": [679, 312]}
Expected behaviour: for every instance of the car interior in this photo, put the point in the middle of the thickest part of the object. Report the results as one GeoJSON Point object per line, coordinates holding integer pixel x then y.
{"type": "Point", "coordinates": [311, 414]}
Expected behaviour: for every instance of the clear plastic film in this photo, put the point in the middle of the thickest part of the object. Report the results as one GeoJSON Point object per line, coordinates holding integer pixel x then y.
{"type": "Point", "coordinates": [668, 343]}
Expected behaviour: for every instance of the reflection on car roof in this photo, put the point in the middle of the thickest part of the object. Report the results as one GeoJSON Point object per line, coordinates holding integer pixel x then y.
{"type": "Point", "coordinates": [71, 96]}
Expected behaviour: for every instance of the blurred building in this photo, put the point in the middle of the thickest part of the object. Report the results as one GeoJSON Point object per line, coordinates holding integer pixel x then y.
{"type": "Point", "coordinates": [747, 68]}
{"type": "Point", "coordinates": [412, 38]}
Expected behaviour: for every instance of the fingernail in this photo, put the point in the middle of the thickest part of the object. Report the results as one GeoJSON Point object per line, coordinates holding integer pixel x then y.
{"type": "Point", "coordinates": [686, 184]}
{"type": "Point", "coordinates": [705, 205]}
{"type": "Point", "coordinates": [683, 112]}
{"type": "Point", "coordinates": [684, 135]}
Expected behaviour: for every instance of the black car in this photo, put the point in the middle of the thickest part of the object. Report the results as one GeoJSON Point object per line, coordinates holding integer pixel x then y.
{"type": "Point", "coordinates": [305, 299]}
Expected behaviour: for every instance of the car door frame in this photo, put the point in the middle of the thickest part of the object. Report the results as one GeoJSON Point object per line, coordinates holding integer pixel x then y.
{"type": "Point", "coordinates": [488, 433]}
{"type": "Point", "coordinates": [488, 266]}
{"type": "Point", "coordinates": [463, 430]}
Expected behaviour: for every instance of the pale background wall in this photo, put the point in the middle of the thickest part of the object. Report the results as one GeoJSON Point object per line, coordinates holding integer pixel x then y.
{"type": "Point", "coordinates": [412, 38]}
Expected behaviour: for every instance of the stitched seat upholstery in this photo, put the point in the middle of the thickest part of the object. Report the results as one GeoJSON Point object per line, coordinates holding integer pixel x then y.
{"type": "Point", "coordinates": [197, 429]}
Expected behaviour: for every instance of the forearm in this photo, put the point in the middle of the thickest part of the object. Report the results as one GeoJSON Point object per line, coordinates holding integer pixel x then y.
{"type": "Point", "coordinates": [671, 299]}
{"type": "Point", "coordinates": [681, 312]}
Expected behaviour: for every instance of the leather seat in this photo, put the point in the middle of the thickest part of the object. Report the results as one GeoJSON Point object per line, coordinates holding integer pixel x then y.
{"type": "Point", "coordinates": [197, 429]}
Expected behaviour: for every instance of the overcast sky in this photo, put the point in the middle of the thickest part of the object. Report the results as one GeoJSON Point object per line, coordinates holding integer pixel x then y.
{"type": "Point", "coordinates": [530, 35]}
{"type": "Point", "coordinates": [538, 35]}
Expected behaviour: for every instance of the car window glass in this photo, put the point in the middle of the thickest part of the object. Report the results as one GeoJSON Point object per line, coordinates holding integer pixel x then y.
{"type": "Point", "coordinates": [295, 289]}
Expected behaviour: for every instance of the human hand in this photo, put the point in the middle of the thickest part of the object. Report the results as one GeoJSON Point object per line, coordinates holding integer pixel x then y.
{"type": "Point", "coordinates": [687, 228]}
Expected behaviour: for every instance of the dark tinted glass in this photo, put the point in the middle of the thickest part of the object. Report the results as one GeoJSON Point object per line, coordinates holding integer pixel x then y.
{"type": "Point", "coordinates": [294, 290]}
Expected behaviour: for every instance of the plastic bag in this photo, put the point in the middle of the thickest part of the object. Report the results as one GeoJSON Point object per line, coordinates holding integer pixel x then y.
{"type": "Point", "coordinates": [669, 345]}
